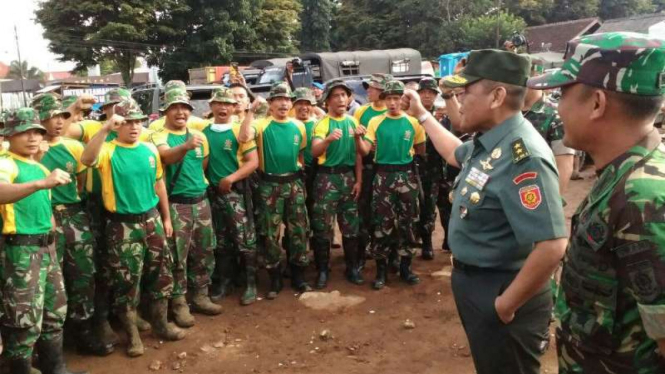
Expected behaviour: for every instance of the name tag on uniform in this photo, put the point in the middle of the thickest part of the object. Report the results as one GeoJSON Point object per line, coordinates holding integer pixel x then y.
{"type": "Point", "coordinates": [477, 178]}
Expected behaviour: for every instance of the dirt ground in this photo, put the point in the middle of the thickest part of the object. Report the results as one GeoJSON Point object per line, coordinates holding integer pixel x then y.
{"type": "Point", "coordinates": [285, 336]}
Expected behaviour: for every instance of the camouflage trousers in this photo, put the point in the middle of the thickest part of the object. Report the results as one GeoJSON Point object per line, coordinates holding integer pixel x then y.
{"type": "Point", "coordinates": [140, 261]}
{"type": "Point", "coordinates": [75, 247]}
{"type": "Point", "coordinates": [395, 209]}
{"type": "Point", "coordinates": [366, 230]}
{"type": "Point", "coordinates": [192, 246]}
{"type": "Point", "coordinates": [333, 197]}
{"type": "Point", "coordinates": [103, 276]}
{"type": "Point", "coordinates": [431, 183]}
{"type": "Point", "coordinates": [234, 229]}
{"type": "Point", "coordinates": [34, 303]}
{"type": "Point", "coordinates": [283, 203]}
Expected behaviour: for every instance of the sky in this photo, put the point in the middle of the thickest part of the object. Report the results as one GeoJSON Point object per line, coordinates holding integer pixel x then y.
{"type": "Point", "coordinates": [33, 46]}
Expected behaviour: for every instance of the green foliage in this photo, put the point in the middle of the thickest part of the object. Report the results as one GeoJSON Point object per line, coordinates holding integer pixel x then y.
{"type": "Point", "coordinates": [278, 26]}
{"type": "Point", "coordinates": [609, 9]}
{"type": "Point", "coordinates": [28, 72]}
{"type": "Point", "coordinates": [565, 10]}
{"type": "Point", "coordinates": [489, 31]}
{"type": "Point", "coordinates": [315, 18]}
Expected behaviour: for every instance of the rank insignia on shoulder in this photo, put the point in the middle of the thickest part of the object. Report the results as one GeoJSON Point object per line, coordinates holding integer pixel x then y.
{"type": "Point", "coordinates": [520, 152]}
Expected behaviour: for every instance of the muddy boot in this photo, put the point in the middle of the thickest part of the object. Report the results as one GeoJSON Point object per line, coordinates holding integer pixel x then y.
{"type": "Point", "coordinates": [20, 366]}
{"type": "Point", "coordinates": [100, 320]}
{"type": "Point", "coordinates": [180, 311]}
{"type": "Point", "coordinates": [405, 272]}
{"type": "Point", "coordinates": [380, 280]}
{"type": "Point", "coordinates": [276, 284]}
{"type": "Point", "coordinates": [225, 269]}
{"type": "Point", "coordinates": [321, 248]}
{"type": "Point", "coordinates": [249, 296]}
{"type": "Point", "coordinates": [427, 251]}
{"type": "Point", "coordinates": [393, 260]}
{"type": "Point", "coordinates": [134, 344]}
{"type": "Point", "coordinates": [142, 324]}
{"type": "Point", "coordinates": [298, 279]}
{"type": "Point", "coordinates": [87, 343]}
{"type": "Point", "coordinates": [351, 259]}
{"type": "Point", "coordinates": [160, 325]}
{"type": "Point", "coordinates": [201, 303]}
{"type": "Point", "coordinates": [362, 253]}
{"type": "Point", "coordinates": [51, 359]}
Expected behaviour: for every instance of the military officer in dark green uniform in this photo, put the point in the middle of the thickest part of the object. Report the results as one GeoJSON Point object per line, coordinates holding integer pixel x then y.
{"type": "Point", "coordinates": [611, 303]}
{"type": "Point", "coordinates": [507, 230]}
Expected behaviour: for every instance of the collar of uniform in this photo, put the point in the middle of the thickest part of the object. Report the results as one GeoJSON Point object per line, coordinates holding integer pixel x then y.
{"type": "Point", "coordinates": [401, 115]}
{"type": "Point", "coordinates": [55, 143]}
{"type": "Point", "coordinates": [641, 150]}
{"type": "Point", "coordinates": [125, 145]}
{"type": "Point", "coordinates": [21, 158]}
{"type": "Point", "coordinates": [273, 119]}
{"type": "Point", "coordinates": [490, 139]}
{"type": "Point", "coordinates": [175, 132]}
{"type": "Point", "coordinates": [378, 108]}
{"type": "Point", "coordinates": [337, 118]}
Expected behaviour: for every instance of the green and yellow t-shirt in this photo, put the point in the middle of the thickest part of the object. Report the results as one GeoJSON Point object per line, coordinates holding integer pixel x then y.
{"type": "Point", "coordinates": [88, 129]}
{"type": "Point", "coordinates": [32, 214]}
{"type": "Point", "coordinates": [279, 144]}
{"type": "Point", "coordinates": [395, 138]}
{"type": "Point", "coordinates": [65, 155]}
{"type": "Point", "coordinates": [128, 174]}
{"type": "Point", "coordinates": [341, 152]}
{"type": "Point", "coordinates": [194, 122]}
{"type": "Point", "coordinates": [309, 131]}
{"type": "Point", "coordinates": [226, 152]}
{"type": "Point", "coordinates": [192, 181]}
{"type": "Point", "coordinates": [365, 113]}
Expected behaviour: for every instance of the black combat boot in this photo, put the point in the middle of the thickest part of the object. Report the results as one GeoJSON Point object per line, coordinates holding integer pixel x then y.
{"type": "Point", "coordinates": [276, 284]}
{"type": "Point", "coordinates": [427, 251]}
{"type": "Point", "coordinates": [87, 343]}
{"type": "Point", "coordinates": [362, 252]}
{"type": "Point", "coordinates": [393, 260]}
{"type": "Point", "coordinates": [351, 257]}
{"type": "Point", "coordinates": [321, 248]}
{"type": "Point", "coordinates": [298, 279]}
{"type": "Point", "coordinates": [51, 359]}
{"type": "Point", "coordinates": [20, 366]}
{"type": "Point", "coordinates": [249, 296]}
{"type": "Point", "coordinates": [381, 269]}
{"type": "Point", "coordinates": [225, 268]}
{"type": "Point", "coordinates": [405, 272]}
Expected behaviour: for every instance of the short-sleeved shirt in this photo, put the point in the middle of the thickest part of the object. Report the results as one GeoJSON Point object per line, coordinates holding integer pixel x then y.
{"type": "Point", "coordinates": [365, 113]}
{"type": "Point", "coordinates": [505, 198]}
{"type": "Point", "coordinates": [226, 152]}
{"type": "Point", "coordinates": [32, 214]}
{"type": "Point", "coordinates": [544, 116]}
{"type": "Point", "coordinates": [66, 156]}
{"type": "Point", "coordinates": [128, 174]}
{"type": "Point", "coordinates": [193, 122]}
{"type": "Point", "coordinates": [611, 302]}
{"type": "Point", "coordinates": [279, 144]}
{"type": "Point", "coordinates": [88, 129]}
{"type": "Point", "coordinates": [395, 138]}
{"type": "Point", "coordinates": [309, 131]}
{"type": "Point", "coordinates": [192, 181]}
{"type": "Point", "coordinates": [341, 152]}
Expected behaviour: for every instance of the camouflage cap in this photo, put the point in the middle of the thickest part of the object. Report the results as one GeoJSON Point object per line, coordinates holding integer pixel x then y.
{"type": "Point", "coordinates": [393, 87]}
{"type": "Point", "coordinates": [222, 95]}
{"type": "Point", "coordinates": [492, 64]}
{"type": "Point", "coordinates": [428, 83]}
{"type": "Point", "coordinates": [175, 84]}
{"type": "Point", "coordinates": [48, 105]}
{"type": "Point", "coordinates": [68, 100]}
{"type": "Point", "coordinates": [331, 85]}
{"type": "Point", "coordinates": [304, 94]}
{"type": "Point", "coordinates": [176, 96]}
{"type": "Point", "coordinates": [378, 81]}
{"type": "Point", "coordinates": [116, 95]}
{"type": "Point", "coordinates": [280, 89]}
{"type": "Point", "coordinates": [22, 120]}
{"type": "Point", "coordinates": [616, 61]}
{"type": "Point", "coordinates": [130, 110]}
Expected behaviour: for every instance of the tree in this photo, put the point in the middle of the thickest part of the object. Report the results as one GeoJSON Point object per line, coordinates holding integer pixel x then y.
{"type": "Point", "coordinates": [489, 31]}
{"type": "Point", "coordinates": [277, 26]}
{"type": "Point", "coordinates": [609, 9]}
{"type": "Point", "coordinates": [565, 10]}
{"type": "Point", "coordinates": [90, 31]}
{"type": "Point", "coordinates": [17, 70]}
{"type": "Point", "coordinates": [315, 18]}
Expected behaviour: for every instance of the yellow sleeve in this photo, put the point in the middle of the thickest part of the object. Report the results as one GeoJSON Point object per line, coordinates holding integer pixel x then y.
{"type": "Point", "coordinates": [261, 125]}
{"type": "Point", "coordinates": [370, 135]}
{"type": "Point", "coordinates": [420, 136]}
{"type": "Point", "coordinates": [197, 123]}
{"type": "Point", "coordinates": [8, 170]}
{"type": "Point", "coordinates": [157, 124]}
{"type": "Point", "coordinates": [145, 135]}
{"type": "Point", "coordinates": [243, 148]}
{"type": "Point", "coordinates": [158, 138]}
{"type": "Point", "coordinates": [303, 134]}
{"type": "Point", "coordinates": [159, 168]}
{"type": "Point", "coordinates": [322, 128]}
{"type": "Point", "coordinates": [104, 159]}
{"type": "Point", "coordinates": [89, 129]}
{"type": "Point", "coordinates": [360, 111]}
{"type": "Point", "coordinates": [76, 149]}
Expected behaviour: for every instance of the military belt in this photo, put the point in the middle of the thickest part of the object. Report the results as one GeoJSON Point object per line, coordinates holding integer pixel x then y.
{"type": "Point", "coordinates": [459, 265]}
{"type": "Point", "coordinates": [180, 199]}
{"type": "Point", "coordinates": [40, 240]}
{"type": "Point", "coordinates": [392, 168]}
{"type": "Point", "coordinates": [335, 169]}
{"type": "Point", "coordinates": [68, 209]}
{"type": "Point", "coordinates": [281, 178]}
{"type": "Point", "coordinates": [131, 218]}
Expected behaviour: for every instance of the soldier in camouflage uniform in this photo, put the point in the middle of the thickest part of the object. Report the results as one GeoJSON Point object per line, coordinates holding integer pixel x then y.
{"type": "Point", "coordinates": [34, 304]}
{"type": "Point", "coordinates": [303, 103]}
{"type": "Point", "coordinates": [136, 232]}
{"type": "Point", "coordinates": [611, 303]}
{"type": "Point", "coordinates": [430, 167]}
{"type": "Point", "coordinates": [280, 142]}
{"type": "Point", "coordinates": [75, 244]}
{"type": "Point", "coordinates": [338, 183]}
{"type": "Point", "coordinates": [185, 152]}
{"type": "Point", "coordinates": [396, 137]}
{"type": "Point", "coordinates": [229, 166]}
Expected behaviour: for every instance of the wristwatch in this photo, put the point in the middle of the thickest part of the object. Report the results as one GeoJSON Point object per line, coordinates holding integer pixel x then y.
{"type": "Point", "coordinates": [424, 117]}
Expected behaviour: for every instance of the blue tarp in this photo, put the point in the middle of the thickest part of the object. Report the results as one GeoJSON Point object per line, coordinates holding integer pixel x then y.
{"type": "Point", "coordinates": [447, 62]}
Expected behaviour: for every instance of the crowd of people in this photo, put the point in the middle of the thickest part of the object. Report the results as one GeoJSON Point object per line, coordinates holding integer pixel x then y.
{"type": "Point", "coordinates": [154, 223]}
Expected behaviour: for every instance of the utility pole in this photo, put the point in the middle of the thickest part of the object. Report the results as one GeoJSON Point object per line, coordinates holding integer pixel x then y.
{"type": "Point", "coordinates": [20, 64]}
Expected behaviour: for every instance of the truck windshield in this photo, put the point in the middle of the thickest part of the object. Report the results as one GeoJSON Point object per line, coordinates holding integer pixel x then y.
{"type": "Point", "coordinates": [272, 75]}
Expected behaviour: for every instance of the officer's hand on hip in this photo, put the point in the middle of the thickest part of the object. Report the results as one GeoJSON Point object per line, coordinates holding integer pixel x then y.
{"type": "Point", "coordinates": [502, 310]}
{"type": "Point", "coordinates": [411, 103]}
{"type": "Point", "coordinates": [56, 178]}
